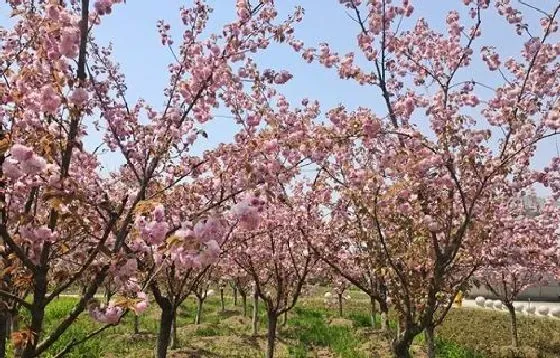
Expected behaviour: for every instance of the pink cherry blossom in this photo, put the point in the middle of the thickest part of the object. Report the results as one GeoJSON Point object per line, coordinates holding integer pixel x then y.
{"type": "Point", "coordinates": [33, 165]}
{"type": "Point", "coordinates": [43, 233]}
{"type": "Point", "coordinates": [21, 152]}
{"type": "Point", "coordinates": [79, 96]}
{"type": "Point", "coordinates": [50, 100]}
{"type": "Point", "coordinates": [11, 168]}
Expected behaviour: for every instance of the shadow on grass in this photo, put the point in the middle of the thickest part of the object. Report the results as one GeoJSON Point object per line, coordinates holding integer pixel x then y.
{"type": "Point", "coordinates": [228, 313]}
{"type": "Point", "coordinates": [194, 353]}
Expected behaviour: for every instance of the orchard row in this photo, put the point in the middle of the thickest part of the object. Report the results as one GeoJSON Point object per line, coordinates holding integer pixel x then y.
{"type": "Point", "coordinates": [408, 201]}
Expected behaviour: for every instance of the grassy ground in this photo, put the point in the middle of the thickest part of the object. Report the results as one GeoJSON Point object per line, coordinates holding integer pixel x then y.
{"type": "Point", "coordinates": [488, 332]}
{"type": "Point", "coordinates": [311, 331]}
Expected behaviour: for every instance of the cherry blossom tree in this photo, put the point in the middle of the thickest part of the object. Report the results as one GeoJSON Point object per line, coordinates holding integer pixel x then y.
{"type": "Point", "coordinates": [237, 278]}
{"type": "Point", "coordinates": [428, 189]}
{"type": "Point", "coordinates": [181, 236]}
{"type": "Point", "coordinates": [201, 292]}
{"type": "Point", "coordinates": [350, 248]}
{"type": "Point", "coordinates": [222, 285]}
{"type": "Point", "coordinates": [527, 253]}
{"type": "Point", "coordinates": [53, 222]}
{"type": "Point", "coordinates": [415, 202]}
{"type": "Point", "coordinates": [62, 219]}
{"type": "Point", "coordinates": [242, 285]}
{"type": "Point", "coordinates": [339, 286]}
{"type": "Point", "coordinates": [194, 249]}
{"type": "Point", "coordinates": [275, 256]}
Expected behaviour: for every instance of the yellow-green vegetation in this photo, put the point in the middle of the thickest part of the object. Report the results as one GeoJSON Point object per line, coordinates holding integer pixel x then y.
{"type": "Point", "coordinates": [487, 332]}
{"type": "Point", "coordinates": [311, 331]}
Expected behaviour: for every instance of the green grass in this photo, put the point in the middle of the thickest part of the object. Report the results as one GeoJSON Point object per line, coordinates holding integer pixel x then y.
{"type": "Point", "coordinates": [446, 349]}
{"type": "Point", "coordinates": [362, 319]}
{"type": "Point", "coordinates": [488, 333]}
{"type": "Point", "coordinates": [312, 330]}
{"type": "Point", "coordinates": [207, 332]}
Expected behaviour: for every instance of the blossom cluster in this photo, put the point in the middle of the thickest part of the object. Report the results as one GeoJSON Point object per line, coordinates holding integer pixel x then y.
{"type": "Point", "coordinates": [23, 161]}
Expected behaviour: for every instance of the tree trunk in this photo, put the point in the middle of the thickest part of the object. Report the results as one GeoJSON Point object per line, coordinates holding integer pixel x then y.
{"type": "Point", "coordinates": [401, 349]}
{"type": "Point", "coordinates": [430, 342]}
{"type": "Point", "coordinates": [255, 320]}
{"type": "Point", "coordinates": [271, 333]}
{"type": "Point", "coordinates": [199, 302]}
{"type": "Point", "coordinates": [174, 343]}
{"type": "Point", "coordinates": [107, 294]}
{"type": "Point", "coordinates": [235, 296]}
{"type": "Point", "coordinates": [136, 324]}
{"type": "Point", "coordinates": [244, 302]}
{"type": "Point", "coordinates": [339, 305]}
{"type": "Point", "coordinates": [12, 325]}
{"type": "Point", "coordinates": [285, 314]}
{"type": "Point", "coordinates": [222, 300]}
{"type": "Point", "coordinates": [3, 332]}
{"type": "Point", "coordinates": [373, 311]}
{"type": "Point", "coordinates": [513, 317]}
{"type": "Point", "coordinates": [8, 325]}
{"type": "Point", "coordinates": [401, 345]}
{"type": "Point", "coordinates": [166, 321]}
{"type": "Point", "coordinates": [13, 321]}
{"type": "Point", "coordinates": [384, 309]}
{"type": "Point", "coordinates": [37, 311]}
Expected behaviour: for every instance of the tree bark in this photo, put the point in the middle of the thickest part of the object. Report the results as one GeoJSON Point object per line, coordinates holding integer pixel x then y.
{"type": "Point", "coordinates": [401, 345]}
{"type": "Point", "coordinates": [271, 333]}
{"type": "Point", "coordinates": [244, 302]}
{"type": "Point", "coordinates": [54, 334]}
{"type": "Point", "coordinates": [199, 303]}
{"type": "Point", "coordinates": [285, 314]}
{"type": "Point", "coordinates": [3, 332]}
{"type": "Point", "coordinates": [107, 295]}
{"type": "Point", "coordinates": [235, 296]}
{"type": "Point", "coordinates": [339, 305]}
{"type": "Point", "coordinates": [513, 318]}
{"type": "Point", "coordinates": [37, 311]}
{"type": "Point", "coordinates": [8, 325]}
{"type": "Point", "coordinates": [166, 321]}
{"type": "Point", "coordinates": [174, 343]}
{"type": "Point", "coordinates": [222, 300]}
{"type": "Point", "coordinates": [255, 318]}
{"type": "Point", "coordinates": [430, 342]}
{"type": "Point", "coordinates": [13, 321]}
{"type": "Point", "coordinates": [373, 311]}
{"type": "Point", "coordinates": [136, 324]}
{"type": "Point", "coordinates": [384, 309]}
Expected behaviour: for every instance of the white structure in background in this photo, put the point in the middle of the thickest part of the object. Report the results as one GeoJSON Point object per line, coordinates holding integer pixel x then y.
{"type": "Point", "coordinates": [479, 301]}
{"type": "Point", "coordinates": [549, 292]}
{"type": "Point", "coordinates": [539, 308]}
{"type": "Point", "coordinates": [543, 310]}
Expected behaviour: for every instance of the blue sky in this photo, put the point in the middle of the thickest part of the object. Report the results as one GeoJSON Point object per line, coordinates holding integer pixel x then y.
{"type": "Point", "coordinates": [136, 43]}
{"type": "Point", "coordinates": [132, 30]}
